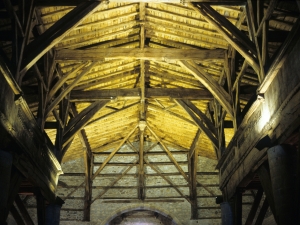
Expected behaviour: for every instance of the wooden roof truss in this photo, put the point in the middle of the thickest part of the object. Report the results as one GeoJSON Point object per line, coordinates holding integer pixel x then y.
{"type": "Point", "coordinates": [97, 75]}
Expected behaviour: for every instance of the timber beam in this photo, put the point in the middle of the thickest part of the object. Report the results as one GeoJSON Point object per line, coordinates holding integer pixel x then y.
{"type": "Point", "coordinates": [136, 93]}
{"type": "Point", "coordinates": [162, 54]}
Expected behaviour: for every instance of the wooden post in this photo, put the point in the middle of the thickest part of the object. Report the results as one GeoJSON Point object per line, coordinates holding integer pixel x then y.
{"type": "Point", "coordinates": [254, 207]}
{"type": "Point", "coordinates": [193, 162]}
{"type": "Point", "coordinates": [237, 211]}
{"type": "Point", "coordinates": [16, 215]}
{"type": "Point", "coordinates": [264, 177]}
{"type": "Point", "coordinates": [141, 191]}
{"type": "Point", "coordinates": [40, 207]}
{"type": "Point", "coordinates": [5, 171]}
{"type": "Point", "coordinates": [23, 211]}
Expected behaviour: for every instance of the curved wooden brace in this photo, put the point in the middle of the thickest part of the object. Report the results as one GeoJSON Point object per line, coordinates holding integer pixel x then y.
{"type": "Point", "coordinates": [217, 91]}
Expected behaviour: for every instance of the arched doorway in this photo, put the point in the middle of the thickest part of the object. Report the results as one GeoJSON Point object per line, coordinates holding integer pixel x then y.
{"type": "Point", "coordinates": [141, 216]}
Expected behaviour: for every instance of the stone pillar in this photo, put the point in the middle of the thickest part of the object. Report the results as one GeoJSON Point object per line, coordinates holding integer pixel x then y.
{"type": "Point", "coordinates": [282, 164]}
{"type": "Point", "coordinates": [226, 213]}
{"type": "Point", "coordinates": [5, 174]}
{"type": "Point", "coordinates": [53, 212]}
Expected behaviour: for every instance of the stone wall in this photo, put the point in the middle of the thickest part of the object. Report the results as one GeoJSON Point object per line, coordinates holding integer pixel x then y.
{"type": "Point", "coordinates": [160, 196]}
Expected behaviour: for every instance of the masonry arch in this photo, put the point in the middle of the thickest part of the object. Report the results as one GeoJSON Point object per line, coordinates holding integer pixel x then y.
{"type": "Point", "coordinates": [158, 210]}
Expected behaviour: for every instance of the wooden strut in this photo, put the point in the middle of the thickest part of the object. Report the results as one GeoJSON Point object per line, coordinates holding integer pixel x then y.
{"type": "Point", "coordinates": [216, 89]}
{"type": "Point", "coordinates": [114, 182]}
{"type": "Point", "coordinates": [88, 159]}
{"type": "Point", "coordinates": [223, 26]}
{"type": "Point", "coordinates": [81, 120]}
{"type": "Point", "coordinates": [169, 154]}
{"type": "Point", "coordinates": [199, 122]}
{"type": "Point", "coordinates": [114, 152]}
{"type": "Point", "coordinates": [169, 182]}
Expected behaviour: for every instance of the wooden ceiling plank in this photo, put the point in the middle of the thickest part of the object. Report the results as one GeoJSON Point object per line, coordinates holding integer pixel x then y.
{"type": "Point", "coordinates": [103, 30]}
{"type": "Point", "coordinates": [98, 39]}
{"type": "Point", "coordinates": [197, 41]}
{"type": "Point", "coordinates": [135, 53]}
{"type": "Point", "coordinates": [56, 33]}
{"type": "Point", "coordinates": [170, 23]}
{"type": "Point", "coordinates": [157, 108]}
{"type": "Point", "coordinates": [216, 89]}
{"type": "Point", "coordinates": [69, 88]}
{"type": "Point", "coordinates": [112, 113]}
{"type": "Point", "coordinates": [114, 152]}
{"type": "Point", "coordinates": [164, 74]}
{"type": "Point", "coordinates": [199, 35]}
{"type": "Point", "coordinates": [104, 78]}
{"type": "Point", "coordinates": [83, 121]}
{"type": "Point", "coordinates": [169, 154]}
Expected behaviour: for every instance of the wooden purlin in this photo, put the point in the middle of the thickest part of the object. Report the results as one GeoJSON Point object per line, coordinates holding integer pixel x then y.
{"type": "Point", "coordinates": [134, 53]}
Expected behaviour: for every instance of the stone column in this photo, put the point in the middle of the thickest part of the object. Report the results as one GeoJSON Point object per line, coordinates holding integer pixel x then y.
{"type": "Point", "coordinates": [53, 212]}
{"type": "Point", "coordinates": [282, 164]}
{"type": "Point", "coordinates": [5, 174]}
{"type": "Point", "coordinates": [226, 213]}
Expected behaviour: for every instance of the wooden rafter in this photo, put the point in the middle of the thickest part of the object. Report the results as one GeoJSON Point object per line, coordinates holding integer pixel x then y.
{"type": "Point", "coordinates": [209, 133]}
{"type": "Point", "coordinates": [202, 116]}
{"type": "Point", "coordinates": [254, 207]}
{"type": "Point", "coordinates": [63, 79]}
{"type": "Point", "coordinates": [81, 120]}
{"type": "Point", "coordinates": [56, 33]}
{"type": "Point", "coordinates": [241, 43]}
{"type": "Point", "coordinates": [216, 89]}
{"type": "Point", "coordinates": [69, 88]}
